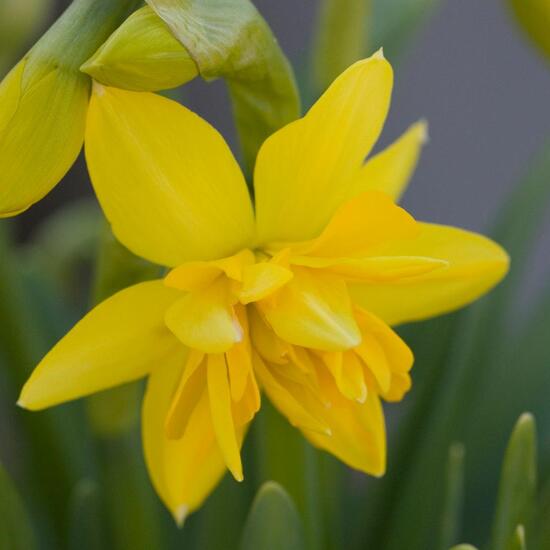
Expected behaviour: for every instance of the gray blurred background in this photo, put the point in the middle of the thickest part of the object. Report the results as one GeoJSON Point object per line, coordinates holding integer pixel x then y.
{"type": "Point", "coordinates": [469, 72]}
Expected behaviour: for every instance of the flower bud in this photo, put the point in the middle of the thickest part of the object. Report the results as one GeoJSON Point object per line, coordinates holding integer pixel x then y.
{"type": "Point", "coordinates": [142, 55]}
{"type": "Point", "coordinates": [44, 100]}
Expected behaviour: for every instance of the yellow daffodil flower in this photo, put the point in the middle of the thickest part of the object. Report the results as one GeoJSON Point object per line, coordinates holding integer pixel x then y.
{"type": "Point", "coordinates": [294, 296]}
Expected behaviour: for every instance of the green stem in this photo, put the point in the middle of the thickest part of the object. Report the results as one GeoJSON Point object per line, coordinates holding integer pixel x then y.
{"type": "Point", "coordinates": [79, 32]}
{"type": "Point", "coordinates": [284, 456]}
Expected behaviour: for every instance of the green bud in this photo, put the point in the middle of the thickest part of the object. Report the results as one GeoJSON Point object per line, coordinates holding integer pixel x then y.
{"type": "Point", "coordinates": [142, 55]}
{"type": "Point", "coordinates": [44, 100]}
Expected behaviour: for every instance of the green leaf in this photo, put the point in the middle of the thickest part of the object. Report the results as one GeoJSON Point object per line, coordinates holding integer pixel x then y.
{"type": "Point", "coordinates": [454, 493]}
{"type": "Point", "coordinates": [534, 18]}
{"type": "Point", "coordinates": [517, 485]}
{"type": "Point", "coordinates": [226, 39]}
{"type": "Point", "coordinates": [85, 520]}
{"type": "Point", "coordinates": [517, 541]}
{"type": "Point", "coordinates": [342, 37]}
{"type": "Point", "coordinates": [129, 499]}
{"type": "Point", "coordinates": [540, 538]}
{"type": "Point", "coordinates": [284, 456]}
{"type": "Point", "coordinates": [273, 522]}
{"type": "Point", "coordinates": [15, 528]}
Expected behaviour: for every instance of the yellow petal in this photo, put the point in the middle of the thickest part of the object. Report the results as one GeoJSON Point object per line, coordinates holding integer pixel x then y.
{"type": "Point", "coordinates": [41, 133]}
{"type": "Point", "coordinates": [205, 320]}
{"type": "Point", "coordinates": [261, 280]}
{"type": "Point", "coordinates": [373, 269]}
{"type": "Point", "coordinates": [142, 55]}
{"type": "Point", "coordinates": [186, 470]}
{"type": "Point", "coordinates": [387, 357]}
{"type": "Point", "coordinates": [391, 170]}
{"type": "Point", "coordinates": [372, 353]}
{"type": "Point", "coordinates": [302, 169]}
{"type": "Point", "coordinates": [239, 359]}
{"type": "Point", "coordinates": [165, 178]}
{"type": "Point", "coordinates": [360, 224]}
{"type": "Point", "coordinates": [222, 414]}
{"type": "Point", "coordinates": [246, 408]}
{"type": "Point", "coordinates": [285, 401]}
{"type": "Point", "coordinates": [120, 340]}
{"type": "Point", "coordinates": [313, 310]}
{"type": "Point", "coordinates": [347, 371]}
{"type": "Point", "coordinates": [187, 396]}
{"type": "Point", "coordinates": [196, 275]}
{"type": "Point", "coordinates": [266, 343]}
{"type": "Point", "coordinates": [476, 264]}
{"type": "Point", "coordinates": [358, 433]}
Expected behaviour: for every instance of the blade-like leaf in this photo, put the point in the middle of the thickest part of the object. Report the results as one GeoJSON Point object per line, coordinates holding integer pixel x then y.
{"type": "Point", "coordinates": [230, 39]}
{"type": "Point", "coordinates": [454, 492]}
{"type": "Point", "coordinates": [284, 456]}
{"type": "Point", "coordinates": [85, 522]}
{"type": "Point", "coordinates": [15, 528]}
{"type": "Point", "coordinates": [273, 522]}
{"type": "Point", "coordinates": [517, 485]}
{"type": "Point", "coordinates": [517, 541]}
{"type": "Point", "coordinates": [341, 38]}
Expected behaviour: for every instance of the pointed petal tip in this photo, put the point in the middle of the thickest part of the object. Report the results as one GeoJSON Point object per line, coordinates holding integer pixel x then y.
{"type": "Point", "coordinates": [378, 54]}
{"type": "Point", "coordinates": [238, 476]}
{"type": "Point", "coordinates": [423, 131]}
{"type": "Point", "coordinates": [526, 418]}
{"type": "Point", "coordinates": [361, 399]}
{"type": "Point", "coordinates": [180, 515]}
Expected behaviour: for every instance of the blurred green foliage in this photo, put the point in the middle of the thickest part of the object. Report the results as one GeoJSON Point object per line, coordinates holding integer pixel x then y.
{"type": "Point", "coordinates": [19, 21]}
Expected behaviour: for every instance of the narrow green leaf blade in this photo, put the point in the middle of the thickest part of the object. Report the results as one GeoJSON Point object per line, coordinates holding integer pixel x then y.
{"type": "Point", "coordinates": [284, 456]}
{"type": "Point", "coordinates": [454, 493]}
{"type": "Point", "coordinates": [341, 38]}
{"type": "Point", "coordinates": [15, 528]}
{"type": "Point", "coordinates": [273, 522]}
{"type": "Point", "coordinates": [518, 483]}
{"type": "Point", "coordinates": [517, 542]}
{"type": "Point", "coordinates": [85, 522]}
